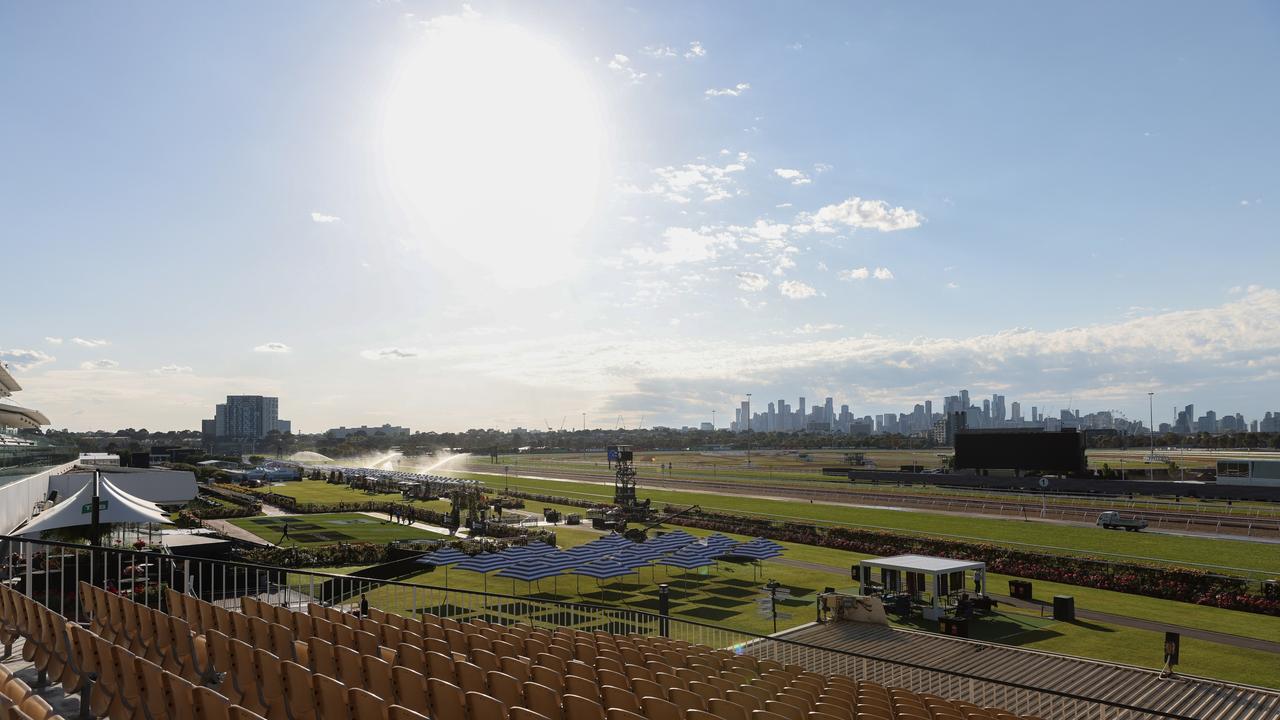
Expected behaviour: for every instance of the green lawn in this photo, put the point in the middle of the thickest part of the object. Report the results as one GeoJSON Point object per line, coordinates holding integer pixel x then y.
{"type": "Point", "coordinates": [318, 491]}
{"type": "Point", "coordinates": [725, 596]}
{"type": "Point", "coordinates": [1263, 558]}
{"type": "Point", "coordinates": [329, 528]}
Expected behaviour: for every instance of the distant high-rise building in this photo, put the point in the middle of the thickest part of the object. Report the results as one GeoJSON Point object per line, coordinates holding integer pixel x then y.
{"type": "Point", "coordinates": [1016, 416]}
{"type": "Point", "coordinates": [830, 412]}
{"type": "Point", "coordinates": [247, 417]}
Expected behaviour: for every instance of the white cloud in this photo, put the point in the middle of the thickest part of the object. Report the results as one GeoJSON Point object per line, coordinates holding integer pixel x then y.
{"type": "Point", "coordinates": [796, 290]}
{"type": "Point", "coordinates": [795, 177]}
{"type": "Point", "coordinates": [677, 183]}
{"type": "Point", "coordinates": [53, 340]}
{"type": "Point", "coordinates": [621, 64]}
{"type": "Point", "coordinates": [696, 50]}
{"type": "Point", "coordinates": [796, 46]}
{"type": "Point", "coordinates": [173, 370]}
{"type": "Point", "coordinates": [734, 91]}
{"type": "Point", "coordinates": [863, 214]}
{"type": "Point", "coordinates": [1196, 351]}
{"type": "Point", "coordinates": [659, 51]}
{"type": "Point", "coordinates": [862, 273]}
{"type": "Point", "coordinates": [99, 364]}
{"type": "Point", "coordinates": [822, 167]}
{"type": "Point", "coordinates": [273, 347]}
{"type": "Point", "coordinates": [89, 343]}
{"type": "Point", "coordinates": [25, 359]}
{"type": "Point", "coordinates": [322, 218]}
{"type": "Point", "coordinates": [443, 22]}
{"type": "Point", "coordinates": [783, 205]}
{"type": "Point", "coordinates": [952, 285]}
{"type": "Point", "coordinates": [811, 329]}
{"type": "Point", "coordinates": [684, 245]}
{"type": "Point", "coordinates": [752, 281]}
{"type": "Point", "coordinates": [391, 353]}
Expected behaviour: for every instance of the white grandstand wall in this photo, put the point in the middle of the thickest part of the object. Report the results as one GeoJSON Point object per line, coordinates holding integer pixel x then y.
{"type": "Point", "coordinates": [19, 497]}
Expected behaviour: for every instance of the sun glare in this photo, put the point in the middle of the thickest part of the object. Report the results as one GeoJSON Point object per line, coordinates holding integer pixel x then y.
{"type": "Point", "coordinates": [493, 141]}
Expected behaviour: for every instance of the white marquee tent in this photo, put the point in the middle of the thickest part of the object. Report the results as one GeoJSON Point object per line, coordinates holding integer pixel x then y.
{"type": "Point", "coordinates": [115, 506]}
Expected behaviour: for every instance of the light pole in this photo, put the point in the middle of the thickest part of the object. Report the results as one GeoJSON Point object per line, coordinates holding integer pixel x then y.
{"type": "Point", "coordinates": [748, 429]}
{"type": "Point", "coordinates": [1151, 418]}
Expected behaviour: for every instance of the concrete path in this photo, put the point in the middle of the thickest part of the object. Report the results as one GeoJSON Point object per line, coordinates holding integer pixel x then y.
{"type": "Point", "coordinates": [224, 527]}
{"type": "Point", "coordinates": [462, 532]}
{"type": "Point", "coordinates": [1124, 620]}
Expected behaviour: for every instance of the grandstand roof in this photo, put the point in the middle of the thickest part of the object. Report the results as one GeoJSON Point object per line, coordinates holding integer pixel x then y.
{"type": "Point", "coordinates": [18, 416]}
{"type": "Point", "coordinates": [7, 383]}
{"type": "Point", "coordinates": [924, 564]}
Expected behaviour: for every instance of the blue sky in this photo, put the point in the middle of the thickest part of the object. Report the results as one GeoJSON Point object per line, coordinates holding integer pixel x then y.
{"type": "Point", "coordinates": [499, 214]}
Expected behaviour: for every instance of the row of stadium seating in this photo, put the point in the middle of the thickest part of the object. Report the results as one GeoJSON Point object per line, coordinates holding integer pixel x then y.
{"type": "Point", "coordinates": [205, 661]}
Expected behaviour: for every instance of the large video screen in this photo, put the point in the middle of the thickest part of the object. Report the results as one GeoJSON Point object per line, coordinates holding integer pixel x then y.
{"type": "Point", "coordinates": [1050, 452]}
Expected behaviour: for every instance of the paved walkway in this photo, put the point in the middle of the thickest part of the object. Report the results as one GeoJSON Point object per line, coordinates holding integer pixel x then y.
{"type": "Point", "coordinates": [1123, 620]}
{"type": "Point", "coordinates": [235, 532]}
{"type": "Point", "coordinates": [462, 532]}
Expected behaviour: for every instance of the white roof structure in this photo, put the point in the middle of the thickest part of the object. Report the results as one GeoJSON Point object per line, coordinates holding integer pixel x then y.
{"type": "Point", "coordinates": [15, 415]}
{"type": "Point", "coordinates": [7, 383]}
{"type": "Point", "coordinates": [924, 564]}
{"type": "Point", "coordinates": [116, 506]}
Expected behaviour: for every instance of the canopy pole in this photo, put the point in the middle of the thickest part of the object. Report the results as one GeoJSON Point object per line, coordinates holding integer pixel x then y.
{"type": "Point", "coordinates": [95, 524]}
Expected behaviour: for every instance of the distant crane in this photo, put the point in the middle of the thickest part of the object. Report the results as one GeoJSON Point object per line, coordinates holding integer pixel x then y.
{"type": "Point", "coordinates": [620, 422]}
{"type": "Point", "coordinates": [562, 419]}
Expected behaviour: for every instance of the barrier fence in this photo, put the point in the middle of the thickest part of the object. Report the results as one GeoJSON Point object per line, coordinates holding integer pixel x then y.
{"type": "Point", "coordinates": [50, 572]}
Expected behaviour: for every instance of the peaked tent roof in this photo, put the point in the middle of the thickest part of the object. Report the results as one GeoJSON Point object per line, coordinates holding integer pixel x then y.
{"type": "Point", "coordinates": [118, 507]}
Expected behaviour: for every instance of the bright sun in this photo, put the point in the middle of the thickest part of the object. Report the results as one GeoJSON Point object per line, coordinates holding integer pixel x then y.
{"type": "Point", "coordinates": [493, 139]}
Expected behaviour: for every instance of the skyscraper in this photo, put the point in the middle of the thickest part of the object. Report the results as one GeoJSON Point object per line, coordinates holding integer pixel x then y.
{"type": "Point", "coordinates": [247, 417]}
{"type": "Point", "coordinates": [830, 412]}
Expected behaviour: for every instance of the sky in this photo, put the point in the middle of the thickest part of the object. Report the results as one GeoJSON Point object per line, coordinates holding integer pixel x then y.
{"type": "Point", "coordinates": [502, 214]}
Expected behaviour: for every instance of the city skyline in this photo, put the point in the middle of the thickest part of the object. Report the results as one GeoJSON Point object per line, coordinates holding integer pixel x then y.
{"type": "Point", "coordinates": [639, 212]}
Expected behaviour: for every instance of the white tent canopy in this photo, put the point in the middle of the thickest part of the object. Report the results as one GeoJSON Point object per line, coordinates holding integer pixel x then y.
{"type": "Point", "coordinates": [946, 575]}
{"type": "Point", "coordinates": [115, 506]}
